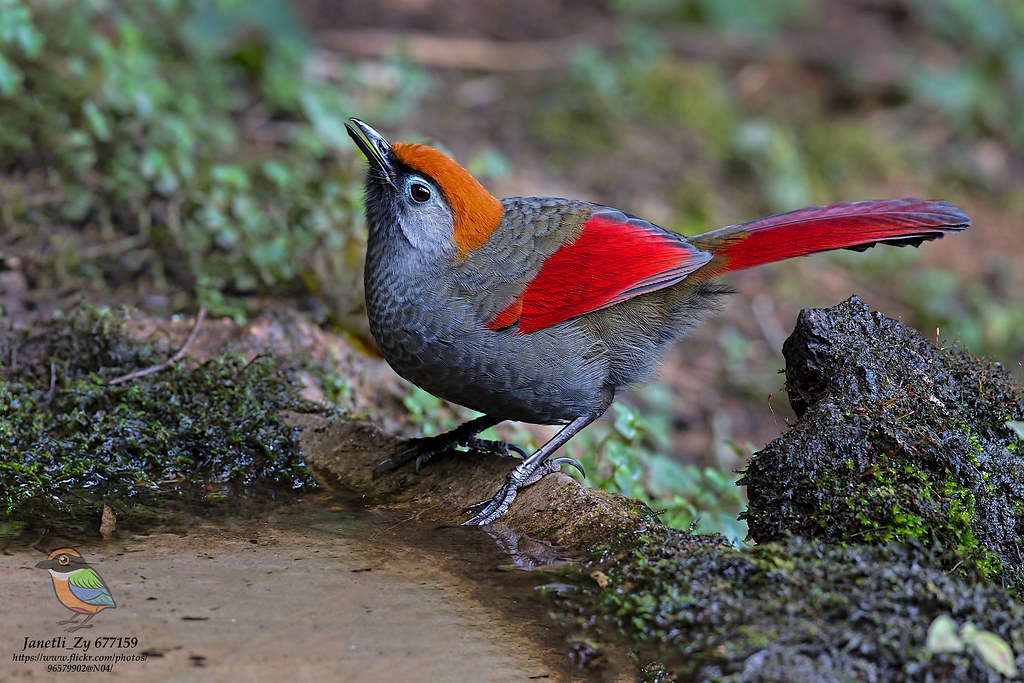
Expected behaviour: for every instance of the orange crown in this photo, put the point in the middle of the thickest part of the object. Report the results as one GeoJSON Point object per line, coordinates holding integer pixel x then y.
{"type": "Point", "coordinates": [475, 211]}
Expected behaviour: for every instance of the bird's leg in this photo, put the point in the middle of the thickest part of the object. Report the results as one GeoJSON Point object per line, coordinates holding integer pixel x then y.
{"type": "Point", "coordinates": [71, 620]}
{"type": "Point", "coordinates": [529, 471]}
{"type": "Point", "coordinates": [84, 624]}
{"type": "Point", "coordinates": [465, 435]}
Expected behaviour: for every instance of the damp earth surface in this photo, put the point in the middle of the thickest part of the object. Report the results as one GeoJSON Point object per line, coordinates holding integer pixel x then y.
{"type": "Point", "coordinates": [341, 574]}
{"type": "Point", "coordinates": [318, 589]}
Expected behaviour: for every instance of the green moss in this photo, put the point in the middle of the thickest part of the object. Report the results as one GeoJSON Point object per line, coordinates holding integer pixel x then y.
{"type": "Point", "coordinates": [694, 608]}
{"type": "Point", "coordinates": [893, 500]}
{"type": "Point", "coordinates": [206, 437]}
{"type": "Point", "coordinates": [897, 441]}
{"type": "Point", "coordinates": [898, 502]}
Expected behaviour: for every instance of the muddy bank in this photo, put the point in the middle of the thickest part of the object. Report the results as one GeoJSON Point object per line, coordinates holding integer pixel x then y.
{"type": "Point", "coordinates": [557, 509]}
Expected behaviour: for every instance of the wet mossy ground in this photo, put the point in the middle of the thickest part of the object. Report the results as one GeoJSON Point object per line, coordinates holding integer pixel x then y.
{"type": "Point", "coordinates": [897, 439]}
{"type": "Point", "coordinates": [693, 608]}
{"type": "Point", "coordinates": [918, 531]}
{"type": "Point", "coordinates": [197, 438]}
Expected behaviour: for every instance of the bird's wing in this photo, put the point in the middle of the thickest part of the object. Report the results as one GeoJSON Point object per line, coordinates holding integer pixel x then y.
{"type": "Point", "coordinates": [614, 258]}
{"type": "Point", "coordinates": [89, 587]}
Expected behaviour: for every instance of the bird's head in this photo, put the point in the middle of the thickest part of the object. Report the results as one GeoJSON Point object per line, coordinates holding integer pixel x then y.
{"type": "Point", "coordinates": [63, 561]}
{"type": "Point", "coordinates": [434, 202]}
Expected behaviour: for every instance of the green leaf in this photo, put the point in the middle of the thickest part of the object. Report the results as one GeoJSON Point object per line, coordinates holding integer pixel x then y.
{"type": "Point", "coordinates": [625, 423]}
{"type": "Point", "coordinates": [10, 78]}
{"type": "Point", "coordinates": [16, 28]}
{"type": "Point", "coordinates": [996, 652]}
{"type": "Point", "coordinates": [97, 121]}
{"type": "Point", "coordinates": [324, 111]}
{"type": "Point", "coordinates": [231, 175]}
{"type": "Point", "coordinates": [942, 636]}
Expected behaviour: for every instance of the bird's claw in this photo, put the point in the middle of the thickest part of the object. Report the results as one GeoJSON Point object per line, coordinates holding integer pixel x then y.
{"type": "Point", "coordinates": [486, 511]}
{"type": "Point", "coordinates": [550, 467]}
{"type": "Point", "coordinates": [569, 461]}
{"type": "Point", "coordinates": [413, 449]}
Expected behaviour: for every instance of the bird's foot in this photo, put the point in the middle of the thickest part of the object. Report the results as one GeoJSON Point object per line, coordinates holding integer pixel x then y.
{"type": "Point", "coordinates": [423, 450]}
{"type": "Point", "coordinates": [525, 474]}
{"type": "Point", "coordinates": [75, 628]}
{"type": "Point", "coordinates": [493, 447]}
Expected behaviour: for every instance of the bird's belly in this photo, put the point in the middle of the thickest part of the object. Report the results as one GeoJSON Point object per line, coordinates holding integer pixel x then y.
{"type": "Point", "coordinates": [548, 377]}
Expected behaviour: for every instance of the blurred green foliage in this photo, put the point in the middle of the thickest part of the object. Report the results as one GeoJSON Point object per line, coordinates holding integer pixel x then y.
{"type": "Point", "coordinates": [756, 18]}
{"type": "Point", "coordinates": [626, 454]}
{"type": "Point", "coordinates": [982, 89]}
{"type": "Point", "coordinates": [200, 127]}
{"type": "Point", "coordinates": [978, 79]}
{"type": "Point", "coordinates": [714, 161]}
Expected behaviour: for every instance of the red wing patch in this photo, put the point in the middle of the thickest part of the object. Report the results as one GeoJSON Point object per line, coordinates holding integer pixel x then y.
{"type": "Point", "coordinates": [612, 260]}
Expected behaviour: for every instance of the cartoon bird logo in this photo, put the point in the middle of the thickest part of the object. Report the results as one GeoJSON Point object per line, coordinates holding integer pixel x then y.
{"type": "Point", "coordinates": [77, 585]}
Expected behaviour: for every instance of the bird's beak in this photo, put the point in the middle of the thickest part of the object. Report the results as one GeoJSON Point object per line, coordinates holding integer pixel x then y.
{"type": "Point", "coordinates": [45, 564]}
{"type": "Point", "coordinates": [374, 147]}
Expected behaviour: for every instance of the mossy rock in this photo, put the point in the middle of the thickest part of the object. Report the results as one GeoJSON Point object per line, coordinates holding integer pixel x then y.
{"type": "Point", "coordinates": [693, 608]}
{"type": "Point", "coordinates": [897, 439]}
{"type": "Point", "coordinates": [154, 450]}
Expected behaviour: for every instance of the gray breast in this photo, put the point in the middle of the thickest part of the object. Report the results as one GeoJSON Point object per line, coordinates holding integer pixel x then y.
{"type": "Point", "coordinates": [433, 337]}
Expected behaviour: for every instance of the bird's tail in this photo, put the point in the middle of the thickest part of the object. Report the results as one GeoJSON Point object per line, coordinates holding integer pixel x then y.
{"type": "Point", "coordinates": [849, 225]}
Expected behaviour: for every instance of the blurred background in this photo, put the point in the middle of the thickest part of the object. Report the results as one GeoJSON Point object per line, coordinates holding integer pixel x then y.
{"type": "Point", "coordinates": [171, 154]}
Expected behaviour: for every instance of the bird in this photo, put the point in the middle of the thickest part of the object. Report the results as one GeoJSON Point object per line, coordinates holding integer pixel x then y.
{"type": "Point", "coordinates": [543, 309]}
{"type": "Point", "coordinates": [78, 586]}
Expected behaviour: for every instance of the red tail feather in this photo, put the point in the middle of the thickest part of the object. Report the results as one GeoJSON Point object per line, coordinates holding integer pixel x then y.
{"type": "Point", "coordinates": [850, 225]}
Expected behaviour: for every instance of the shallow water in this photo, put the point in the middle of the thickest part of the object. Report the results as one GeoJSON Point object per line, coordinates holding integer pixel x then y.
{"type": "Point", "coordinates": [320, 589]}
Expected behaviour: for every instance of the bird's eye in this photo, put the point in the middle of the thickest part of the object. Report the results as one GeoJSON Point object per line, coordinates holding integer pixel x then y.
{"type": "Point", "coordinates": [419, 192]}
{"type": "Point", "coordinates": [64, 560]}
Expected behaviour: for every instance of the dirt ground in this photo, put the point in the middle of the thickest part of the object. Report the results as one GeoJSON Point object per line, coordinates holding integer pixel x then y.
{"type": "Point", "coordinates": [318, 591]}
